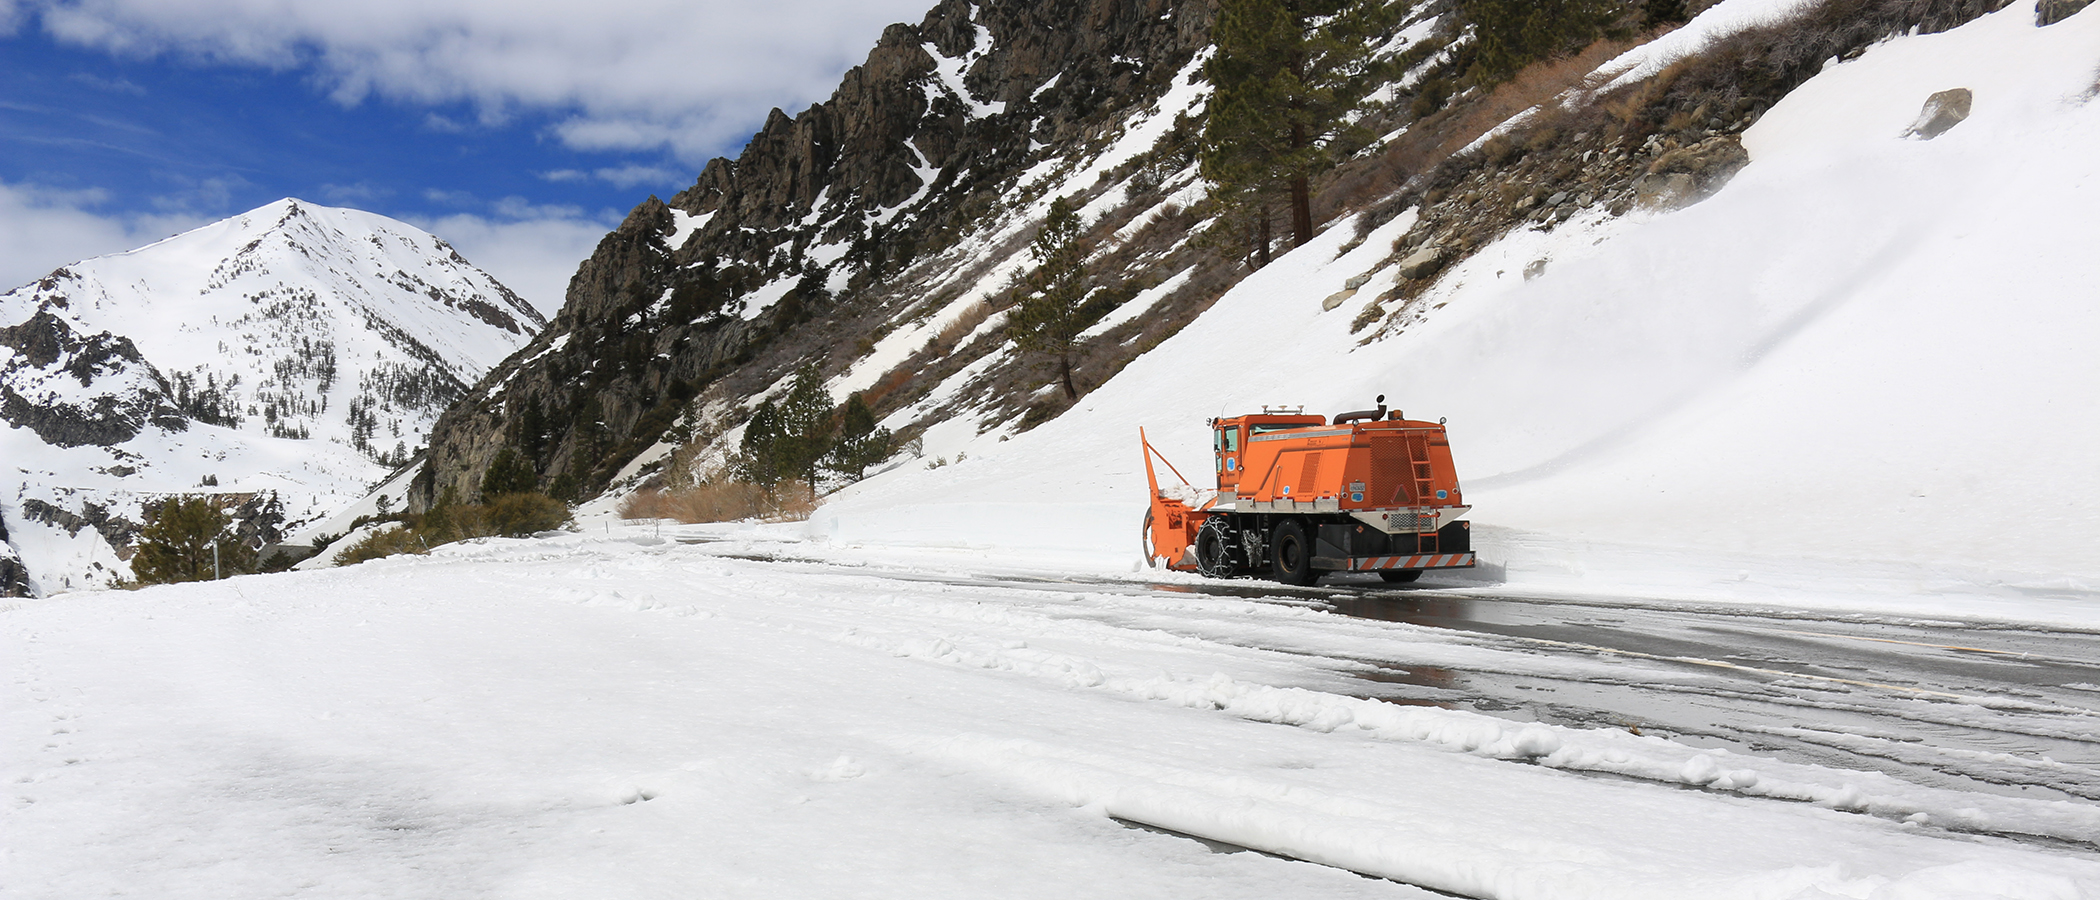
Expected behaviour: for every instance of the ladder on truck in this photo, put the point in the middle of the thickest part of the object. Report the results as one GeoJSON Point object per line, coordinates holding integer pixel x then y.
{"type": "Point", "coordinates": [1419, 469]}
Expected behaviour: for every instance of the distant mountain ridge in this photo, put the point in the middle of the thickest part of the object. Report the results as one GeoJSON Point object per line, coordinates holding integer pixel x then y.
{"type": "Point", "coordinates": [294, 352]}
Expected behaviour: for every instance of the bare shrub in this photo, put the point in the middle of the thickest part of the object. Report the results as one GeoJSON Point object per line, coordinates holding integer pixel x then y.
{"type": "Point", "coordinates": [972, 317]}
{"type": "Point", "coordinates": [1748, 71]}
{"type": "Point", "coordinates": [725, 501]}
{"type": "Point", "coordinates": [647, 503]}
{"type": "Point", "coordinates": [1436, 138]}
{"type": "Point", "coordinates": [895, 381]}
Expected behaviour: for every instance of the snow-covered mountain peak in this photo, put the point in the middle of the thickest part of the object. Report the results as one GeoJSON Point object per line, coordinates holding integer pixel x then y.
{"type": "Point", "coordinates": [297, 320]}
{"type": "Point", "coordinates": [294, 348]}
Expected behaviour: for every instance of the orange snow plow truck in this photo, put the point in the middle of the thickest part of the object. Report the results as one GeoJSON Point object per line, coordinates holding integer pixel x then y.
{"type": "Point", "coordinates": [1298, 497]}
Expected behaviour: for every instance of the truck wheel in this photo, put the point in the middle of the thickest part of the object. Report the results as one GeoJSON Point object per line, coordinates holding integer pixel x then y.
{"type": "Point", "coordinates": [1215, 555]}
{"type": "Point", "coordinates": [1291, 554]}
{"type": "Point", "coordinates": [1400, 576]}
{"type": "Point", "coordinates": [1145, 541]}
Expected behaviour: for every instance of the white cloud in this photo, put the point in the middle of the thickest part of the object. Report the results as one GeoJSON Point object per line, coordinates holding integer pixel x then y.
{"type": "Point", "coordinates": [42, 228]}
{"type": "Point", "coordinates": [690, 76]}
{"type": "Point", "coordinates": [214, 193]}
{"type": "Point", "coordinates": [112, 85]}
{"type": "Point", "coordinates": [533, 254]}
{"type": "Point", "coordinates": [360, 194]}
{"type": "Point", "coordinates": [442, 125]}
{"type": "Point", "coordinates": [443, 197]}
{"type": "Point", "coordinates": [519, 208]}
{"type": "Point", "coordinates": [635, 176]}
{"type": "Point", "coordinates": [627, 176]}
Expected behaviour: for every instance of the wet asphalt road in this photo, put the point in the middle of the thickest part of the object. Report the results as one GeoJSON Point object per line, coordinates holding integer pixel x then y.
{"type": "Point", "coordinates": [2001, 708]}
{"type": "Point", "coordinates": [1997, 707]}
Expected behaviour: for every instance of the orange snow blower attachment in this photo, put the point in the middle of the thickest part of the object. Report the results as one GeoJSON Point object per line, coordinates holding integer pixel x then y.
{"type": "Point", "coordinates": [1297, 497]}
{"type": "Point", "coordinates": [1170, 523]}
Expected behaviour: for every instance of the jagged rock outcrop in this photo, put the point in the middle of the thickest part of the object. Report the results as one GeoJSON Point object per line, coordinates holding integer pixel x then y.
{"type": "Point", "coordinates": [117, 529]}
{"type": "Point", "coordinates": [73, 389]}
{"type": "Point", "coordinates": [14, 577]}
{"type": "Point", "coordinates": [2050, 12]}
{"type": "Point", "coordinates": [795, 241]}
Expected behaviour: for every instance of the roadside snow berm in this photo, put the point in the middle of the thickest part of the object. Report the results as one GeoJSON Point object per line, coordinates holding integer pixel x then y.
{"type": "Point", "coordinates": [1297, 497]}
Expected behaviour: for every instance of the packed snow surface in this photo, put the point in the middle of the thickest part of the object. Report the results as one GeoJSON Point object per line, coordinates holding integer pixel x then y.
{"type": "Point", "coordinates": [1860, 373]}
{"type": "Point", "coordinates": [620, 713]}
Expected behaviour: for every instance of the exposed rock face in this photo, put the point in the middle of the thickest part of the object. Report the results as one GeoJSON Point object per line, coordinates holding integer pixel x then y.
{"type": "Point", "coordinates": [793, 241]}
{"type": "Point", "coordinates": [1942, 111]}
{"type": "Point", "coordinates": [74, 390]}
{"type": "Point", "coordinates": [2050, 12]}
{"type": "Point", "coordinates": [118, 530]}
{"type": "Point", "coordinates": [14, 577]}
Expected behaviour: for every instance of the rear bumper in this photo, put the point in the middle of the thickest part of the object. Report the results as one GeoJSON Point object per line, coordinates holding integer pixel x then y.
{"type": "Point", "coordinates": [1417, 561]}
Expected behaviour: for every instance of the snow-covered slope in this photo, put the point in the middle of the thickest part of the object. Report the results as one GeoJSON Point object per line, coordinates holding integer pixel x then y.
{"type": "Point", "coordinates": [295, 350]}
{"type": "Point", "coordinates": [1864, 365]}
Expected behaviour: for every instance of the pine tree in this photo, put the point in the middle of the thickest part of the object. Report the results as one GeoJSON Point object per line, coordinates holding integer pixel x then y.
{"type": "Point", "coordinates": [758, 462]}
{"type": "Point", "coordinates": [861, 442]}
{"type": "Point", "coordinates": [508, 473]}
{"type": "Point", "coordinates": [1286, 74]}
{"type": "Point", "coordinates": [790, 438]}
{"type": "Point", "coordinates": [1512, 34]}
{"type": "Point", "coordinates": [177, 546]}
{"type": "Point", "coordinates": [1048, 318]}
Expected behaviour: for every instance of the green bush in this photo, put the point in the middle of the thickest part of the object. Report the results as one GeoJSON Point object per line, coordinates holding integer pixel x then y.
{"type": "Point", "coordinates": [389, 542]}
{"type": "Point", "coordinates": [505, 515]}
{"type": "Point", "coordinates": [524, 515]}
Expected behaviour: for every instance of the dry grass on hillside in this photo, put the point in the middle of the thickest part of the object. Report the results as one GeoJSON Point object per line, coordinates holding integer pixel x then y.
{"type": "Point", "coordinates": [726, 501]}
{"type": "Point", "coordinates": [1534, 85]}
{"type": "Point", "coordinates": [951, 336]}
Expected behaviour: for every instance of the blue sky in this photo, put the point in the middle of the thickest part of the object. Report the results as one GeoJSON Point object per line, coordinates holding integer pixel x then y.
{"type": "Point", "coordinates": [521, 131]}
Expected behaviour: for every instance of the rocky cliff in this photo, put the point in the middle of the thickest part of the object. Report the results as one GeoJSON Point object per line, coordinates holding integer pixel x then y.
{"type": "Point", "coordinates": [877, 235]}
{"type": "Point", "coordinates": [828, 231]}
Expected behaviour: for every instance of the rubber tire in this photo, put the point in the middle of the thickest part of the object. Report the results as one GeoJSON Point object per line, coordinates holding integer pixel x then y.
{"type": "Point", "coordinates": [1290, 554]}
{"type": "Point", "coordinates": [1400, 576]}
{"type": "Point", "coordinates": [1215, 555]}
{"type": "Point", "coordinates": [1145, 542]}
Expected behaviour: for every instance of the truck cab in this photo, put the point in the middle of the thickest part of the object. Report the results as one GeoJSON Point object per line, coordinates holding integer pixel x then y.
{"type": "Point", "coordinates": [1230, 437]}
